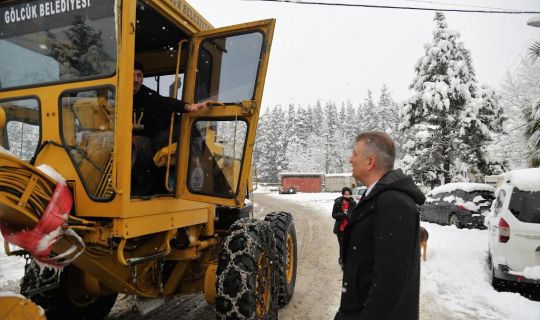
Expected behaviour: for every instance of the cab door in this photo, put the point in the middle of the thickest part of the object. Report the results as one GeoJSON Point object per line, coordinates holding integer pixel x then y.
{"type": "Point", "coordinates": [227, 66]}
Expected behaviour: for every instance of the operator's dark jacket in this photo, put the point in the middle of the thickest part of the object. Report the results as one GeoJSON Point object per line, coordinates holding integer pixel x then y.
{"type": "Point", "coordinates": [156, 118]}
{"type": "Point", "coordinates": [336, 211]}
{"type": "Point", "coordinates": [156, 110]}
{"type": "Point", "coordinates": [381, 278]}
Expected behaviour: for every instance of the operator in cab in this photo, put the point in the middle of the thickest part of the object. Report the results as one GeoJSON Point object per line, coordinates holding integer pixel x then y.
{"type": "Point", "coordinates": [151, 125]}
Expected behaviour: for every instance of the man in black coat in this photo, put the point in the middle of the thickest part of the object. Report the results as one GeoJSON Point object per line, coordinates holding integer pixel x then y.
{"type": "Point", "coordinates": [381, 278]}
{"type": "Point", "coordinates": [152, 111]}
{"type": "Point", "coordinates": [151, 125]}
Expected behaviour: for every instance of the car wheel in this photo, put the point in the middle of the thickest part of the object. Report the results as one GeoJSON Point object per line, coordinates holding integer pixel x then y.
{"type": "Point", "coordinates": [454, 220]}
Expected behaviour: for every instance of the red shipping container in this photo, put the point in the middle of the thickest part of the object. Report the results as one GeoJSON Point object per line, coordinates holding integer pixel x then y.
{"type": "Point", "coordinates": [302, 183]}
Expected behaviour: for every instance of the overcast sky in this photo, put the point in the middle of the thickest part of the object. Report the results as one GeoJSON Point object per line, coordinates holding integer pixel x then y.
{"type": "Point", "coordinates": [338, 53]}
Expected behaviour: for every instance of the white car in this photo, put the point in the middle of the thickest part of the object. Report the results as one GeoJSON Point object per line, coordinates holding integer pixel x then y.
{"type": "Point", "coordinates": [514, 229]}
{"type": "Point", "coordinates": [358, 193]}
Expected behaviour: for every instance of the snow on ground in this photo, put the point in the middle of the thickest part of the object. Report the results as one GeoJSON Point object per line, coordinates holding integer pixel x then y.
{"type": "Point", "coordinates": [11, 268]}
{"type": "Point", "coordinates": [456, 276]}
{"type": "Point", "coordinates": [455, 279]}
{"type": "Point", "coordinates": [323, 202]}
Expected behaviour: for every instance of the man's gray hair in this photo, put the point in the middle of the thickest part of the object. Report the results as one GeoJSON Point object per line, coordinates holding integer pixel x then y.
{"type": "Point", "coordinates": [382, 146]}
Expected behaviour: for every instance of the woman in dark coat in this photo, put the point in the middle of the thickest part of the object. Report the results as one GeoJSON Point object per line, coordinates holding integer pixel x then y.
{"type": "Point", "coordinates": [342, 206]}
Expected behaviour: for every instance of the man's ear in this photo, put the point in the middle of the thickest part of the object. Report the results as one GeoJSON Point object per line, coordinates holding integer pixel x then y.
{"type": "Point", "coordinates": [371, 163]}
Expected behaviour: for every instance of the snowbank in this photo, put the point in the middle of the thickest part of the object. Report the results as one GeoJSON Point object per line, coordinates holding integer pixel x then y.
{"type": "Point", "coordinates": [11, 268]}
{"type": "Point", "coordinates": [456, 277]}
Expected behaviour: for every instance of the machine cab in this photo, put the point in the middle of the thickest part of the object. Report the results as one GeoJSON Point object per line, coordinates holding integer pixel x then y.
{"type": "Point", "coordinates": [203, 156]}
{"type": "Point", "coordinates": [66, 100]}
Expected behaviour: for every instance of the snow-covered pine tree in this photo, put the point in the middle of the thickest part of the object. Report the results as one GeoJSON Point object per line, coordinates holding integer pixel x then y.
{"type": "Point", "coordinates": [450, 118]}
{"type": "Point", "coordinates": [387, 113]}
{"type": "Point", "coordinates": [350, 121]}
{"type": "Point", "coordinates": [302, 126]}
{"type": "Point", "coordinates": [532, 132]}
{"type": "Point", "coordinates": [292, 139]}
{"type": "Point", "coordinates": [271, 145]}
{"type": "Point", "coordinates": [317, 118]}
{"type": "Point", "coordinates": [261, 141]}
{"type": "Point", "coordinates": [342, 115]}
{"type": "Point", "coordinates": [360, 119]}
{"type": "Point", "coordinates": [532, 113]}
{"type": "Point", "coordinates": [309, 119]}
{"type": "Point", "coordinates": [82, 54]}
{"type": "Point", "coordinates": [369, 109]}
{"type": "Point", "coordinates": [332, 135]}
{"type": "Point", "coordinates": [387, 118]}
{"type": "Point", "coordinates": [521, 100]}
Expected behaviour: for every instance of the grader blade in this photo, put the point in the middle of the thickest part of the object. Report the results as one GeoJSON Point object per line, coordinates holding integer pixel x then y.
{"type": "Point", "coordinates": [17, 307]}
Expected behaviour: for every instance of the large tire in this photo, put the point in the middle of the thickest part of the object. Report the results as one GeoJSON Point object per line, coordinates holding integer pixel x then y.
{"type": "Point", "coordinates": [66, 299]}
{"type": "Point", "coordinates": [246, 286]}
{"type": "Point", "coordinates": [285, 236]}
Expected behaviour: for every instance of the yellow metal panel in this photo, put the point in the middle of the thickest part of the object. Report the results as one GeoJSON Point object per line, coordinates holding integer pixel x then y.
{"type": "Point", "coordinates": [17, 308]}
{"type": "Point", "coordinates": [138, 226]}
{"type": "Point", "coordinates": [183, 12]}
{"type": "Point", "coordinates": [122, 139]}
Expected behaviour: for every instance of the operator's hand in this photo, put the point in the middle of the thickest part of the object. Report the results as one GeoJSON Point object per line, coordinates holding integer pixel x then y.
{"type": "Point", "coordinates": [197, 106]}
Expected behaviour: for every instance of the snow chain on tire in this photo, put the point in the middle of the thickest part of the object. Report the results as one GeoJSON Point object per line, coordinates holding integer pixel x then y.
{"type": "Point", "coordinates": [246, 286]}
{"type": "Point", "coordinates": [285, 235]}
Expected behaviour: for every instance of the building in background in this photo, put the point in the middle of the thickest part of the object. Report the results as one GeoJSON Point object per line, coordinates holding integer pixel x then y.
{"type": "Point", "coordinates": [302, 182]}
{"type": "Point", "coordinates": [292, 182]}
{"type": "Point", "coordinates": [334, 182]}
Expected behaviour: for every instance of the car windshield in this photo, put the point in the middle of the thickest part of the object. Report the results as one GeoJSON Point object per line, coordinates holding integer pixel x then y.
{"type": "Point", "coordinates": [525, 205]}
{"type": "Point", "coordinates": [56, 41]}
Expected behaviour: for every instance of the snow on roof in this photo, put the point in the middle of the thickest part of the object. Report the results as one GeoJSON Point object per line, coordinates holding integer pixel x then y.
{"type": "Point", "coordinates": [524, 179]}
{"type": "Point", "coordinates": [349, 174]}
{"type": "Point", "coordinates": [303, 174]}
{"type": "Point", "coordinates": [465, 186]}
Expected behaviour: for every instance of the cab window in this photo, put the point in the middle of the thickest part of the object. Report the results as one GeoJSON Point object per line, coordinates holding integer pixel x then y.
{"type": "Point", "coordinates": [228, 66]}
{"type": "Point", "coordinates": [88, 135]}
{"type": "Point", "coordinates": [216, 154]}
{"type": "Point", "coordinates": [20, 127]}
{"type": "Point", "coordinates": [78, 42]}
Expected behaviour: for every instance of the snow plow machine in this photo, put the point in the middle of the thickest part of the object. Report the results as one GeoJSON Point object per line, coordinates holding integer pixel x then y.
{"type": "Point", "coordinates": [98, 209]}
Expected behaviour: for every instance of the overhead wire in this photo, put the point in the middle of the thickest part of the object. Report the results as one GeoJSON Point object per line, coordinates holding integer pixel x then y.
{"type": "Point", "coordinates": [342, 4]}
{"type": "Point", "coordinates": [458, 5]}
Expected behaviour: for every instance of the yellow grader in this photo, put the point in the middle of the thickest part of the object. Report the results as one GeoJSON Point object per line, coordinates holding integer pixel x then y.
{"type": "Point", "coordinates": [71, 200]}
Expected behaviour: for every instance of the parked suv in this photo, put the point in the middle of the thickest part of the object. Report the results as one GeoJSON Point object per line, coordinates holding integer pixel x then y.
{"type": "Point", "coordinates": [514, 229]}
{"type": "Point", "coordinates": [461, 204]}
